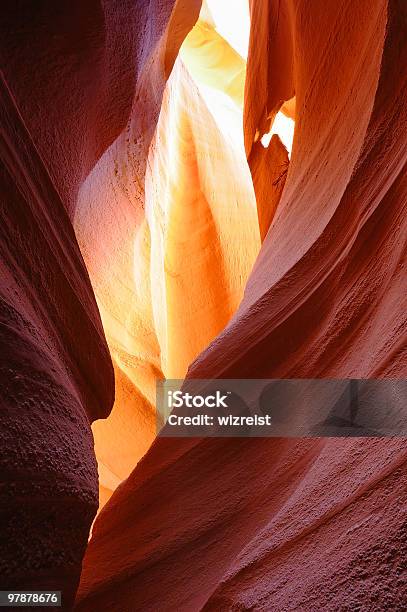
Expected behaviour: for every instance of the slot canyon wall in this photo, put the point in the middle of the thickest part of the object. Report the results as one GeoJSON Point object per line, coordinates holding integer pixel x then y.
{"type": "Point", "coordinates": [73, 75]}
{"type": "Point", "coordinates": [126, 192]}
{"type": "Point", "coordinates": [292, 524]}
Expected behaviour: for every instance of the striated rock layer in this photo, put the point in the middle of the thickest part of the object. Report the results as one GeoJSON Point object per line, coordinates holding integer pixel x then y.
{"type": "Point", "coordinates": [170, 271]}
{"type": "Point", "coordinates": [71, 72]}
{"type": "Point", "coordinates": [292, 524]}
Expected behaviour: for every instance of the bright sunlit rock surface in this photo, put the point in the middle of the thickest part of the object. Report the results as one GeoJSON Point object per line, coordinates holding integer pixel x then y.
{"type": "Point", "coordinates": [156, 221]}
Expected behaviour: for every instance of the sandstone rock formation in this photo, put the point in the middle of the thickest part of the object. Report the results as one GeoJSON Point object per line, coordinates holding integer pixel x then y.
{"type": "Point", "coordinates": [292, 524]}
{"type": "Point", "coordinates": [136, 183]}
{"type": "Point", "coordinates": [71, 72]}
{"type": "Point", "coordinates": [194, 231]}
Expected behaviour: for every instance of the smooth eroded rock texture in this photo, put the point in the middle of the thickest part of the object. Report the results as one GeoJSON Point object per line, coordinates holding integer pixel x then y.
{"type": "Point", "coordinates": [292, 524]}
{"type": "Point", "coordinates": [55, 375]}
{"type": "Point", "coordinates": [136, 182]}
{"type": "Point", "coordinates": [170, 271]}
{"type": "Point", "coordinates": [71, 72]}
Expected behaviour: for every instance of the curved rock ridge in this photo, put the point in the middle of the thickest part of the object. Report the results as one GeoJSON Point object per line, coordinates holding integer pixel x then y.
{"type": "Point", "coordinates": [291, 524]}
{"type": "Point", "coordinates": [192, 231]}
{"type": "Point", "coordinates": [71, 71]}
{"type": "Point", "coordinates": [202, 220]}
{"type": "Point", "coordinates": [52, 383]}
{"type": "Point", "coordinates": [213, 62]}
{"type": "Point", "coordinates": [330, 274]}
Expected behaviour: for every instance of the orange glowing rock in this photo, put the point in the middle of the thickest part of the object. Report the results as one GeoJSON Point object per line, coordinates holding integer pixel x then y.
{"type": "Point", "coordinates": [197, 232]}
{"type": "Point", "coordinates": [290, 524]}
{"type": "Point", "coordinates": [203, 223]}
{"type": "Point", "coordinates": [146, 173]}
{"type": "Point", "coordinates": [70, 75]}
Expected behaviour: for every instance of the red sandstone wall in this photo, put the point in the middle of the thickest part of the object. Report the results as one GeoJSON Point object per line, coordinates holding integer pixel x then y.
{"type": "Point", "coordinates": [293, 524]}
{"type": "Point", "coordinates": [70, 73]}
{"type": "Point", "coordinates": [201, 524]}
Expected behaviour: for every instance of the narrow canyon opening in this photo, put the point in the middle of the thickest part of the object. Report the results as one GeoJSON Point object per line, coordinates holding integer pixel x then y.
{"type": "Point", "coordinates": [169, 275]}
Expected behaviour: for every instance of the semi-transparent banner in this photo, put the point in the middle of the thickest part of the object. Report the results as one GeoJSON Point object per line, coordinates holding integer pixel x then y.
{"type": "Point", "coordinates": [288, 408]}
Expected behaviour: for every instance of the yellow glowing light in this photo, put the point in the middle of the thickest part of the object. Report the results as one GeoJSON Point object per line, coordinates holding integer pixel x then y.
{"type": "Point", "coordinates": [215, 54]}
{"type": "Point", "coordinates": [232, 21]}
{"type": "Point", "coordinates": [284, 127]}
